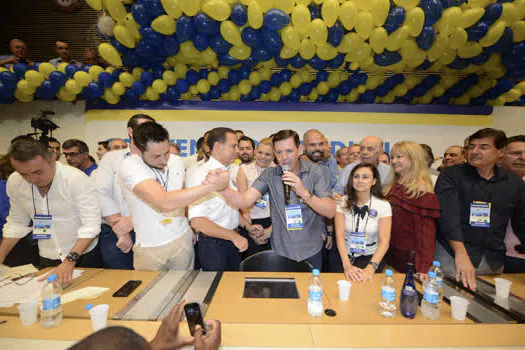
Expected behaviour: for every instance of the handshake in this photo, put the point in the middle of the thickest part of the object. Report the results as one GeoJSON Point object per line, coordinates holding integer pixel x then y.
{"type": "Point", "coordinates": [218, 179]}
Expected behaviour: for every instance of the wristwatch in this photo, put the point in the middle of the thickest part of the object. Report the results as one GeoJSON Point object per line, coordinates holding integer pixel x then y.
{"type": "Point", "coordinates": [374, 265]}
{"type": "Point", "coordinates": [73, 257]}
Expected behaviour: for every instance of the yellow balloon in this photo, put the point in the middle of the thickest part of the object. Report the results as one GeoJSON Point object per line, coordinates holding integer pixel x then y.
{"type": "Point", "coordinates": [118, 89]}
{"type": "Point", "coordinates": [35, 78]}
{"type": "Point", "coordinates": [223, 72]}
{"type": "Point", "coordinates": [217, 9]}
{"type": "Point", "coordinates": [447, 56]}
{"type": "Point", "coordinates": [188, 50]}
{"type": "Point", "coordinates": [334, 79]}
{"type": "Point", "coordinates": [255, 15]}
{"type": "Point", "coordinates": [364, 24]}
{"type": "Point", "coordinates": [285, 5]}
{"type": "Point", "coordinates": [172, 8]}
{"type": "Point", "coordinates": [363, 5]}
{"type": "Point", "coordinates": [407, 4]}
{"type": "Point", "coordinates": [213, 78]}
{"type": "Point", "coordinates": [159, 86]}
{"type": "Point", "coordinates": [275, 94]}
{"type": "Point", "coordinates": [151, 94]}
{"type": "Point", "coordinates": [326, 51]}
{"type": "Point", "coordinates": [323, 88]}
{"type": "Point", "coordinates": [291, 37]}
{"type": "Point", "coordinates": [190, 7]}
{"type": "Point", "coordinates": [478, 3]}
{"type": "Point", "coordinates": [458, 38]}
{"type": "Point", "coordinates": [288, 52]}
{"type": "Point", "coordinates": [94, 71]}
{"type": "Point", "coordinates": [285, 88]}
{"type": "Point", "coordinates": [494, 34]}
{"type": "Point", "coordinates": [234, 94]}
{"type": "Point", "coordinates": [400, 90]}
{"type": "Point", "coordinates": [471, 16]}
{"type": "Point", "coordinates": [414, 20]}
{"type": "Point", "coordinates": [125, 78]}
{"type": "Point", "coordinates": [21, 97]}
{"type": "Point", "coordinates": [164, 24]}
{"type": "Point", "coordinates": [110, 69]}
{"type": "Point", "coordinates": [73, 86]}
{"type": "Point", "coordinates": [25, 87]}
{"type": "Point", "coordinates": [266, 5]}
{"type": "Point", "coordinates": [62, 67]}
{"type": "Point", "coordinates": [193, 90]}
{"type": "Point", "coordinates": [208, 56]}
{"type": "Point", "coordinates": [240, 52]}
{"type": "Point", "coordinates": [245, 87]}
{"type": "Point", "coordinates": [450, 19]}
{"type": "Point", "coordinates": [510, 13]}
{"type": "Point", "coordinates": [306, 76]}
{"type": "Point", "coordinates": [65, 95]}
{"type": "Point", "coordinates": [254, 78]}
{"type": "Point", "coordinates": [95, 4]}
{"type": "Point", "coordinates": [203, 86]}
{"type": "Point", "coordinates": [350, 42]}
{"type": "Point", "coordinates": [169, 77]}
{"type": "Point", "coordinates": [437, 48]}
{"type": "Point", "coordinates": [397, 38]}
{"type": "Point", "coordinates": [296, 80]}
{"type": "Point", "coordinates": [136, 72]}
{"type": "Point", "coordinates": [302, 2]}
{"type": "Point", "coordinates": [132, 26]}
{"type": "Point", "coordinates": [264, 97]}
{"type": "Point", "coordinates": [46, 68]}
{"type": "Point", "coordinates": [409, 49]}
{"type": "Point", "coordinates": [116, 9]}
{"type": "Point", "coordinates": [518, 28]}
{"type": "Point", "coordinates": [301, 18]}
{"type": "Point", "coordinates": [380, 11]}
{"type": "Point", "coordinates": [512, 95]}
{"type": "Point", "coordinates": [123, 35]}
{"type": "Point", "coordinates": [378, 39]}
{"type": "Point", "coordinates": [521, 7]}
{"type": "Point", "coordinates": [317, 31]}
{"type": "Point", "coordinates": [110, 54]}
{"type": "Point", "coordinates": [360, 54]}
{"type": "Point", "coordinates": [412, 81]}
{"type": "Point", "coordinates": [230, 32]}
{"type": "Point", "coordinates": [416, 59]}
{"type": "Point", "coordinates": [330, 12]}
{"type": "Point", "coordinates": [307, 49]}
{"type": "Point", "coordinates": [348, 15]}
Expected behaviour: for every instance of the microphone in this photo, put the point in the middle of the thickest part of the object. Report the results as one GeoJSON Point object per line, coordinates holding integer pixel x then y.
{"type": "Point", "coordinates": [286, 187]}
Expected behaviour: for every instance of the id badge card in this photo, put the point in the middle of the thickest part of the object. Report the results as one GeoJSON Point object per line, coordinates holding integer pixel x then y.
{"type": "Point", "coordinates": [42, 226]}
{"type": "Point", "coordinates": [294, 217]}
{"type": "Point", "coordinates": [358, 242]}
{"type": "Point", "coordinates": [263, 201]}
{"type": "Point", "coordinates": [480, 214]}
{"type": "Point", "coordinates": [166, 221]}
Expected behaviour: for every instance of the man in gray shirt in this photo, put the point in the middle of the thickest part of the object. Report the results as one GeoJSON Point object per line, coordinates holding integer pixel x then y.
{"type": "Point", "coordinates": [310, 199]}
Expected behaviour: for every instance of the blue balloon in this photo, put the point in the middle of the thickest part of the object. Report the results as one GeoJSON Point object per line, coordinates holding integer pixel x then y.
{"type": "Point", "coordinates": [20, 69]}
{"type": "Point", "coordinates": [305, 88]}
{"type": "Point", "coordinates": [150, 35]}
{"type": "Point", "coordinates": [94, 89]}
{"type": "Point", "coordinates": [442, 100]}
{"type": "Point", "coordinates": [317, 63]}
{"type": "Point", "coordinates": [252, 37]}
{"type": "Point", "coordinates": [157, 70]}
{"type": "Point", "coordinates": [214, 92]}
{"type": "Point", "coordinates": [239, 14]}
{"type": "Point", "coordinates": [477, 31]}
{"type": "Point", "coordinates": [426, 39]}
{"type": "Point", "coordinates": [395, 19]}
{"type": "Point", "coordinates": [172, 94]}
{"type": "Point", "coordinates": [138, 88]}
{"type": "Point", "coordinates": [459, 63]}
{"type": "Point", "coordinates": [140, 15]}
{"type": "Point", "coordinates": [205, 97]}
{"type": "Point", "coordinates": [265, 86]}
{"type": "Point", "coordinates": [71, 69]}
{"type": "Point", "coordinates": [200, 41]}
{"type": "Point", "coordinates": [255, 92]}
{"type": "Point", "coordinates": [185, 29]}
{"type": "Point", "coordinates": [9, 79]}
{"type": "Point", "coordinates": [322, 75]}
{"type": "Point", "coordinates": [119, 46]}
{"type": "Point", "coordinates": [387, 58]}
{"type": "Point", "coordinates": [251, 62]}
{"type": "Point", "coordinates": [335, 34]}
{"type": "Point", "coordinates": [245, 98]}
{"type": "Point", "coordinates": [205, 24]}
{"type": "Point", "coordinates": [234, 77]}
{"type": "Point", "coordinates": [182, 86]}
{"type": "Point", "coordinates": [244, 73]}
{"type": "Point", "coordinates": [492, 13]}
{"type": "Point", "coordinates": [144, 49]}
{"type": "Point", "coordinates": [433, 10]}
{"type": "Point", "coordinates": [57, 78]}
{"type": "Point", "coordinates": [192, 77]}
{"type": "Point", "coordinates": [281, 62]}
{"type": "Point", "coordinates": [286, 74]}
{"type": "Point", "coordinates": [504, 43]}
{"type": "Point", "coordinates": [171, 44]}
{"type": "Point", "coordinates": [105, 80]}
{"type": "Point", "coordinates": [154, 7]}
{"type": "Point", "coordinates": [146, 78]}
{"type": "Point", "coordinates": [262, 54]}
{"type": "Point", "coordinates": [297, 61]}
{"type": "Point", "coordinates": [425, 65]}
{"type": "Point", "coordinates": [272, 41]}
{"type": "Point", "coordinates": [368, 97]}
{"type": "Point", "coordinates": [315, 11]}
{"type": "Point", "coordinates": [223, 86]}
{"type": "Point", "coordinates": [332, 96]}
{"type": "Point", "coordinates": [227, 60]}
{"type": "Point", "coordinates": [46, 91]}
{"type": "Point", "coordinates": [35, 66]}
{"type": "Point", "coordinates": [382, 90]}
{"type": "Point", "coordinates": [115, 75]}
{"type": "Point", "coordinates": [275, 19]}
{"type": "Point", "coordinates": [219, 45]}
{"type": "Point", "coordinates": [337, 62]}
{"type": "Point", "coordinates": [203, 74]}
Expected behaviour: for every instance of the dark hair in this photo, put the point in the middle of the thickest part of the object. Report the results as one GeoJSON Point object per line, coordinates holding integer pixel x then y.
{"type": "Point", "coordinates": [238, 130]}
{"type": "Point", "coordinates": [246, 138]}
{"type": "Point", "coordinates": [517, 138]}
{"type": "Point", "coordinates": [21, 137]}
{"type": "Point", "coordinates": [428, 151]}
{"type": "Point", "coordinates": [286, 134]}
{"type": "Point", "coordinates": [200, 141]}
{"type": "Point", "coordinates": [25, 150]}
{"type": "Point", "coordinates": [52, 139]}
{"type": "Point", "coordinates": [112, 338]}
{"type": "Point", "coordinates": [104, 144]}
{"type": "Point", "coordinates": [499, 137]}
{"type": "Point", "coordinates": [218, 135]}
{"type": "Point", "coordinates": [133, 122]}
{"type": "Point", "coordinates": [376, 189]}
{"type": "Point", "coordinates": [81, 145]}
{"type": "Point", "coordinates": [6, 168]}
{"type": "Point", "coordinates": [149, 132]}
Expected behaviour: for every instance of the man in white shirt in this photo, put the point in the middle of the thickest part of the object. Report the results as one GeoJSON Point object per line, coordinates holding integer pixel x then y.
{"type": "Point", "coordinates": [153, 188]}
{"type": "Point", "coordinates": [63, 205]}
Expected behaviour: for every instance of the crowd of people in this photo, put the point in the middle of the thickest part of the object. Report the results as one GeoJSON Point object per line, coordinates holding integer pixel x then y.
{"type": "Point", "coordinates": [142, 206]}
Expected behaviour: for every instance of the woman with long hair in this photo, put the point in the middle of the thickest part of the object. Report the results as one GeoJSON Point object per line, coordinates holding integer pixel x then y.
{"type": "Point", "coordinates": [415, 208]}
{"type": "Point", "coordinates": [362, 224]}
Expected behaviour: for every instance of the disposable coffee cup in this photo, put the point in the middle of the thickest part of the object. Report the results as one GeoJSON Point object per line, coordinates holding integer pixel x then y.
{"type": "Point", "coordinates": [28, 312]}
{"type": "Point", "coordinates": [502, 287]}
{"type": "Point", "coordinates": [344, 289]}
{"type": "Point", "coordinates": [99, 316]}
{"type": "Point", "coordinates": [459, 307]}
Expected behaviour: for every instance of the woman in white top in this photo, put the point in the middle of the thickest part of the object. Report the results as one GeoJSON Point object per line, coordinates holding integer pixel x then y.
{"type": "Point", "coordinates": [362, 224]}
{"type": "Point", "coordinates": [259, 213]}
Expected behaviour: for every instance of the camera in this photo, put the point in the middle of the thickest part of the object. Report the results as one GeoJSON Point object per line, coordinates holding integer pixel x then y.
{"type": "Point", "coordinates": [44, 125]}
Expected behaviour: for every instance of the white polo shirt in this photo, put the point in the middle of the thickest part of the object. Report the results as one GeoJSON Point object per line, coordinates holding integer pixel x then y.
{"type": "Point", "coordinates": [213, 206]}
{"type": "Point", "coordinates": [108, 184]}
{"type": "Point", "coordinates": [152, 228]}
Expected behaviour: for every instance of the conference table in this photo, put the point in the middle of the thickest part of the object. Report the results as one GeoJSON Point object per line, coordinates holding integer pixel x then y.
{"type": "Point", "coordinates": [268, 322]}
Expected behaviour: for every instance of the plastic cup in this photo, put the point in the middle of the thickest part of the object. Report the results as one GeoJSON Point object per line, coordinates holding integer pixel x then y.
{"type": "Point", "coordinates": [459, 307]}
{"type": "Point", "coordinates": [344, 289]}
{"type": "Point", "coordinates": [28, 312]}
{"type": "Point", "coordinates": [99, 317]}
{"type": "Point", "coordinates": [502, 287]}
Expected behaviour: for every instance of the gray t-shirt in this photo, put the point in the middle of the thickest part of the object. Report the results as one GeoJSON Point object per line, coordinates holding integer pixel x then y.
{"type": "Point", "coordinates": [300, 244]}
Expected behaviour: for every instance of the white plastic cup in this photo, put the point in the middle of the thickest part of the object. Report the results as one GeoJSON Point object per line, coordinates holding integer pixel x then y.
{"type": "Point", "coordinates": [502, 287]}
{"type": "Point", "coordinates": [459, 307]}
{"type": "Point", "coordinates": [344, 289]}
{"type": "Point", "coordinates": [28, 312]}
{"type": "Point", "coordinates": [99, 316]}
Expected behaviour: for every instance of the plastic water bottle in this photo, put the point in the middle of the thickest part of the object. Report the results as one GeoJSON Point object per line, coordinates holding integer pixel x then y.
{"type": "Point", "coordinates": [431, 297]}
{"type": "Point", "coordinates": [387, 305]}
{"type": "Point", "coordinates": [409, 299]}
{"type": "Point", "coordinates": [51, 313]}
{"type": "Point", "coordinates": [315, 295]}
{"type": "Point", "coordinates": [436, 267]}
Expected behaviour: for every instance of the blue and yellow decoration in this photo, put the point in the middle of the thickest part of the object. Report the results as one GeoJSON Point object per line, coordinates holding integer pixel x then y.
{"type": "Point", "coordinates": [358, 51]}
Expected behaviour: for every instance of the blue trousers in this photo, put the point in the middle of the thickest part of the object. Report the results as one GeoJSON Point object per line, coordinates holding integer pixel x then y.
{"type": "Point", "coordinates": [217, 254]}
{"type": "Point", "coordinates": [113, 257]}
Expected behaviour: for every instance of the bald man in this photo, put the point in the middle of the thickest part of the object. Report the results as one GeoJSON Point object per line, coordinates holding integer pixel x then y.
{"type": "Point", "coordinates": [64, 54]}
{"type": "Point", "coordinates": [18, 49]}
{"type": "Point", "coordinates": [315, 146]}
{"type": "Point", "coordinates": [371, 149]}
{"type": "Point", "coordinates": [453, 156]}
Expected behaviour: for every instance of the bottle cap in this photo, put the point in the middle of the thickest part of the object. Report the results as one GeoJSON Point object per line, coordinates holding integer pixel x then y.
{"type": "Point", "coordinates": [88, 307]}
{"type": "Point", "coordinates": [436, 263]}
{"type": "Point", "coordinates": [389, 272]}
{"type": "Point", "coordinates": [431, 274]}
{"type": "Point", "coordinates": [315, 272]}
{"type": "Point", "coordinates": [52, 278]}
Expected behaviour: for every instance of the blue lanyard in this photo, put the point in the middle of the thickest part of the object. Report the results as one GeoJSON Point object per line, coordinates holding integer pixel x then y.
{"type": "Point", "coordinates": [159, 179]}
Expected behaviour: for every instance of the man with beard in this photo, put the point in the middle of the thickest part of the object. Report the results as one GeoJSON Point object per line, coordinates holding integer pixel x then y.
{"type": "Point", "coordinates": [315, 147]}
{"type": "Point", "coordinates": [246, 150]}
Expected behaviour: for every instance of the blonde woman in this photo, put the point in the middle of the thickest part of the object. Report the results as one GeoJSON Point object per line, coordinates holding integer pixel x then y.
{"type": "Point", "coordinates": [415, 208]}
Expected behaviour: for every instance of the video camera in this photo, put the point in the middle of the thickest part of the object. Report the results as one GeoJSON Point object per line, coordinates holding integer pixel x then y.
{"type": "Point", "coordinates": [45, 125]}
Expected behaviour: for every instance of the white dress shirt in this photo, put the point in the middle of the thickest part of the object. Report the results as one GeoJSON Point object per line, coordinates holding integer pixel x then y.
{"type": "Point", "coordinates": [108, 184]}
{"type": "Point", "coordinates": [73, 203]}
{"type": "Point", "coordinates": [213, 206]}
{"type": "Point", "coordinates": [152, 228]}
{"type": "Point", "coordinates": [190, 160]}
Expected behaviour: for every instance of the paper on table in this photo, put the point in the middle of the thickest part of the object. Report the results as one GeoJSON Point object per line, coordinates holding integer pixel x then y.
{"type": "Point", "coordinates": [83, 293]}
{"type": "Point", "coordinates": [22, 270]}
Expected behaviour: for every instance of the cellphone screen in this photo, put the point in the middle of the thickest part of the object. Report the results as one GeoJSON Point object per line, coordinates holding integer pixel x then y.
{"type": "Point", "coordinates": [127, 289]}
{"type": "Point", "coordinates": [194, 317]}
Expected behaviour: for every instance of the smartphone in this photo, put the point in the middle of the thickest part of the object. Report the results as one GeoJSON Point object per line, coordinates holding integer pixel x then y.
{"type": "Point", "coordinates": [194, 317]}
{"type": "Point", "coordinates": [127, 289]}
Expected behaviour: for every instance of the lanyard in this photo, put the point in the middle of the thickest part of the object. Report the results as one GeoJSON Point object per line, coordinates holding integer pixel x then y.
{"type": "Point", "coordinates": [355, 220]}
{"type": "Point", "coordinates": [159, 178]}
{"type": "Point", "coordinates": [47, 198]}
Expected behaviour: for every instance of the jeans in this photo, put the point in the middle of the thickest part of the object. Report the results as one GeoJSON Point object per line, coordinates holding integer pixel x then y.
{"type": "Point", "coordinates": [316, 260]}
{"type": "Point", "coordinates": [91, 259]}
{"type": "Point", "coordinates": [217, 254]}
{"type": "Point", "coordinates": [514, 265]}
{"type": "Point", "coordinates": [113, 257]}
{"type": "Point", "coordinates": [253, 247]}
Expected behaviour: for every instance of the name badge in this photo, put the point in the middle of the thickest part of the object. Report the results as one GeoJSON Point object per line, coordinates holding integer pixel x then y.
{"type": "Point", "coordinates": [357, 242]}
{"type": "Point", "coordinates": [263, 201]}
{"type": "Point", "coordinates": [166, 221]}
{"type": "Point", "coordinates": [480, 214]}
{"type": "Point", "coordinates": [42, 226]}
{"type": "Point", "coordinates": [294, 217]}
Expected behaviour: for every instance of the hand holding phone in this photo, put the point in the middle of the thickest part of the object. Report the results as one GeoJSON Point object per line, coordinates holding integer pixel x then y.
{"type": "Point", "coordinates": [194, 317]}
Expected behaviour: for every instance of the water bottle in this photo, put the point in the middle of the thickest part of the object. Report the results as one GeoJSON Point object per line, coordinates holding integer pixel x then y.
{"type": "Point", "coordinates": [387, 305]}
{"type": "Point", "coordinates": [409, 300]}
{"type": "Point", "coordinates": [315, 295]}
{"type": "Point", "coordinates": [436, 267]}
{"type": "Point", "coordinates": [431, 297]}
{"type": "Point", "coordinates": [51, 313]}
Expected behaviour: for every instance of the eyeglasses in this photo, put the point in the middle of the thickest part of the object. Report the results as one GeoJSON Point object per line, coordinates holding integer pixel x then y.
{"type": "Point", "coordinates": [72, 154]}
